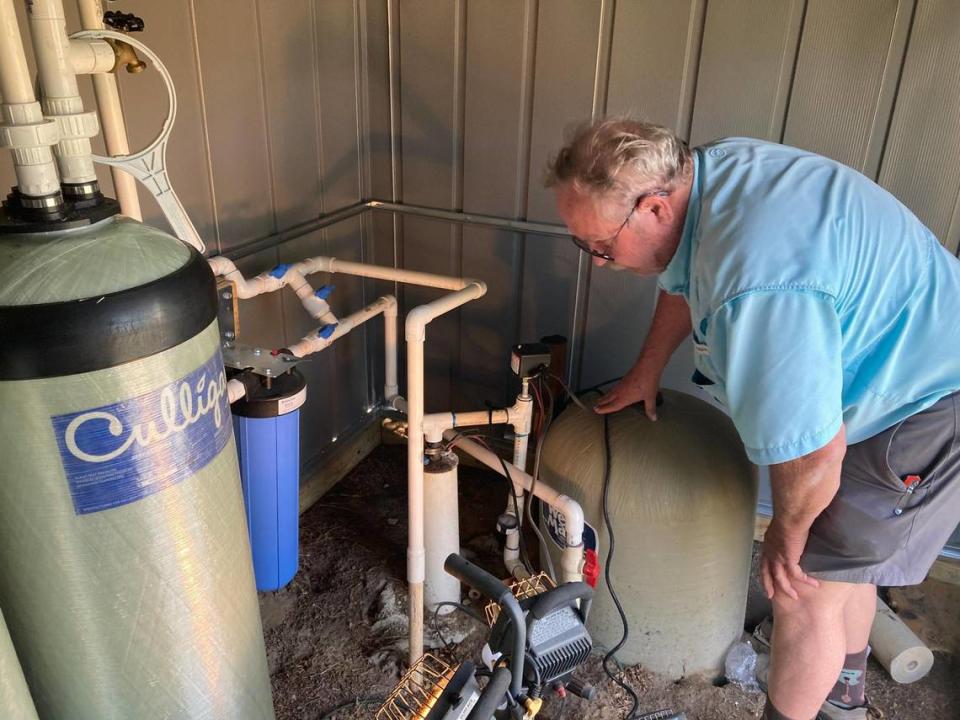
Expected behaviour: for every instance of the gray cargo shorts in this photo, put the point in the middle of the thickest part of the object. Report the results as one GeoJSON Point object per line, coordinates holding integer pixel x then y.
{"type": "Point", "coordinates": [897, 506]}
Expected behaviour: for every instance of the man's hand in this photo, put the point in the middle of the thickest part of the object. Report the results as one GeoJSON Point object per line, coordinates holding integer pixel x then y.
{"type": "Point", "coordinates": [639, 385]}
{"type": "Point", "coordinates": [780, 569]}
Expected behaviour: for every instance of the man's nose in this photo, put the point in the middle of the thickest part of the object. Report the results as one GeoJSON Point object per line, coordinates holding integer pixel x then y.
{"type": "Point", "coordinates": [599, 261]}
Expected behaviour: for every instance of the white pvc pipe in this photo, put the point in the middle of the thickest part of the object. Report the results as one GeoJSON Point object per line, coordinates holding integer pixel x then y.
{"type": "Point", "coordinates": [61, 95]}
{"type": "Point", "coordinates": [897, 648]}
{"type": "Point", "coordinates": [235, 390]}
{"type": "Point", "coordinates": [515, 503]}
{"type": "Point", "coordinates": [111, 117]}
{"type": "Point", "coordinates": [416, 324]}
{"type": "Point", "coordinates": [15, 85]}
{"type": "Point", "coordinates": [465, 290]}
{"type": "Point", "coordinates": [415, 548]}
{"type": "Point", "coordinates": [262, 283]}
{"type": "Point", "coordinates": [441, 534]}
{"type": "Point", "coordinates": [571, 559]}
{"type": "Point", "coordinates": [520, 416]}
{"type": "Point", "coordinates": [379, 272]}
{"type": "Point", "coordinates": [391, 388]}
{"type": "Point", "coordinates": [23, 128]}
{"type": "Point", "coordinates": [312, 342]}
{"type": "Point", "coordinates": [91, 56]}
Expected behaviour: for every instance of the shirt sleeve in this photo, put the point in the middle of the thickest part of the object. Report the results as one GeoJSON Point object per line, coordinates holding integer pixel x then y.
{"type": "Point", "coordinates": [779, 355]}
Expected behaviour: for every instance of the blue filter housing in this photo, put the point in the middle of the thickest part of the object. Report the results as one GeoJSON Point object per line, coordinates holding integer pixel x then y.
{"type": "Point", "coordinates": [267, 427]}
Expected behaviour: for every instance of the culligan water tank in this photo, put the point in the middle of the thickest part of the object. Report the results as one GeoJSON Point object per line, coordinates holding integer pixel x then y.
{"type": "Point", "coordinates": [681, 498]}
{"type": "Point", "coordinates": [15, 700]}
{"type": "Point", "coordinates": [125, 572]}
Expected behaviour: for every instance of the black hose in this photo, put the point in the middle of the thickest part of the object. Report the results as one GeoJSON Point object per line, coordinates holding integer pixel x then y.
{"type": "Point", "coordinates": [462, 608]}
{"type": "Point", "coordinates": [634, 699]}
{"type": "Point", "coordinates": [492, 695]}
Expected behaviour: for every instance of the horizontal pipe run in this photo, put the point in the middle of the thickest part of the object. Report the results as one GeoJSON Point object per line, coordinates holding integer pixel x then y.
{"type": "Point", "coordinates": [313, 342]}
{"type": "Point", "coordinates": [381, 272]}
{"type": "Point", "coordinates": [463, 218]}
{"type": "Point", "coordinates": [296, 231]}
{"type": "Point", "coordinates": [518, 415]}
{"type": "Point", "coordinates": [349, 211]}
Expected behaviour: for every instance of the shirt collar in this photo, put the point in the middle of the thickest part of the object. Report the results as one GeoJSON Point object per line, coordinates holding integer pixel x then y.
{"type": "Point", "coordinates": [675, 279]}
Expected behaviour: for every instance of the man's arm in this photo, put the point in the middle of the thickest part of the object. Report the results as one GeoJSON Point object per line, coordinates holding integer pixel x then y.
{"type": "Point", "coordinates": [802, 488]}
{"type": "Point", "coordinates": [671, 324]}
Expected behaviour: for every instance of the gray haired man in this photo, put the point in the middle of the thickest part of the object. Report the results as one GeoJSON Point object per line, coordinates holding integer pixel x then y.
{"type": "Point", "coordinates": [826, 318]}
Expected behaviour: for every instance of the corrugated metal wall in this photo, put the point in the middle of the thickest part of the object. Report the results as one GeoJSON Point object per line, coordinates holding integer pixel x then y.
{"type": "Point", "coordinates": [289, 109]}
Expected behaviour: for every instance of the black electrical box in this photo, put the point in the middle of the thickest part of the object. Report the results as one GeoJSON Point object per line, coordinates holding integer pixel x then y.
{"type": "Point", "coordinates": [529, 359]}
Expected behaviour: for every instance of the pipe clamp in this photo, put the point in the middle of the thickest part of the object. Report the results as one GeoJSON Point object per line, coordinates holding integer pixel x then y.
{"type": "Point", "coordinates": [77, 125]}
{"type": "Point", "coordinates": [38, 134]}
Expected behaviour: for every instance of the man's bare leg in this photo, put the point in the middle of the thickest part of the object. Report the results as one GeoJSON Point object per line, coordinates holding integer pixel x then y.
{"type": "Point", "coordinates": [809, 645]}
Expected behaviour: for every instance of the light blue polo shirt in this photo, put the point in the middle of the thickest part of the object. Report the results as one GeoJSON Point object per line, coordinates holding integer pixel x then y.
{"type": "Point", "coordinates": [816, 298]}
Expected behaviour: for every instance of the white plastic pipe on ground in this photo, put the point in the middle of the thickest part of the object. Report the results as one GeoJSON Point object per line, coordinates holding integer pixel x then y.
{"type": "Point", "coordinates": [24, 129]}
{"type": "Point", "coordinates": [111, 117]}
{"type": "Point", "coordinates": [61, 95]}
{"type": "Point", "coordinates": [571, 559]}
{"type": "Point", "coordinates": [897, 648]}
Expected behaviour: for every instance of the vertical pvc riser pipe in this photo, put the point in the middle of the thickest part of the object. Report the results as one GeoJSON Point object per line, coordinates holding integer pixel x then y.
{"type": "Point", "coordinates": [111, 117]}
{"type": "Point", "coordinates": [390, 387]}
{"type": "Point", "coordinates": [415, 548]}
{"type": "Point", "coordinates": [25, 131]}
{"type": "Point", "coordinates": [521, 439]}
{"type": "Point", "coordinates": [61, 95]}
{"type": "Point", "coordinates": [417, 320]}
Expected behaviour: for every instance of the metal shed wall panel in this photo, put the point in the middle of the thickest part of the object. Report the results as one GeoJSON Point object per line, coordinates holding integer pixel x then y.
{"type": "Point", "coordinates": [653, 61]}
{"type": "Point", "coordinates": [745, 74]}
{"type": "Point", "coordinates": [228, 41]}
{"type": "Point", "coordinates": [290, 78]}
{"type": "Point", "coordinates": [849, 62]}
{"type": "Point", "coordinates": [499, 43]}
{"type": "Point", "coordinates": [920, 165]}
{"type": "Point", "coordinates": [652, 73]}
{"type": "Point", "coordinates": [564, 72]}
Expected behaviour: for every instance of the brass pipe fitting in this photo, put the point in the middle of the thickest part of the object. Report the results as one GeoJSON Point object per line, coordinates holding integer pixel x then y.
{"type": "Point", "coordinates": [126, 57]}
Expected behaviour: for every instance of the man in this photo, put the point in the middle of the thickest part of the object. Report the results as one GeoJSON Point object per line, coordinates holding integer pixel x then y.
{"type": "Point", "coordinates": [826, 317]}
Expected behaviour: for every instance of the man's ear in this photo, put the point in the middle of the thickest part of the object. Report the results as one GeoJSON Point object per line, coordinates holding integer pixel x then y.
{"type": "Point", "coordinates": [660, 207]}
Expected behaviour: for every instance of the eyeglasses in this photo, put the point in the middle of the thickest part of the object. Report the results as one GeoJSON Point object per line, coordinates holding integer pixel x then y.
{"type": "Point", "coordinates": [609, 242]}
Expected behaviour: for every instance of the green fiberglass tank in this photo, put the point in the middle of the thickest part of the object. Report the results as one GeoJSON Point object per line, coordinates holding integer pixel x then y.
{"type": "Point", "coordinates": [15, 700]}
{"type": "Point", "coordinates": [125, 570]}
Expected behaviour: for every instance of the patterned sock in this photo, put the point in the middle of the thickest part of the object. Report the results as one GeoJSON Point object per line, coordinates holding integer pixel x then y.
{"type": "Point", "coordinates": [850, 687]}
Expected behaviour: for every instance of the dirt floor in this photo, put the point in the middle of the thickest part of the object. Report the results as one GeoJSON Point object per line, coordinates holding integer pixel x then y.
{"type": "Point", "coordinates": [337, 633]}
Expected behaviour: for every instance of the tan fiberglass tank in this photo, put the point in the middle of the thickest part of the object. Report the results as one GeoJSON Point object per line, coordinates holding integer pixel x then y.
{"type": "Point", "coordinates": [682, 497]}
